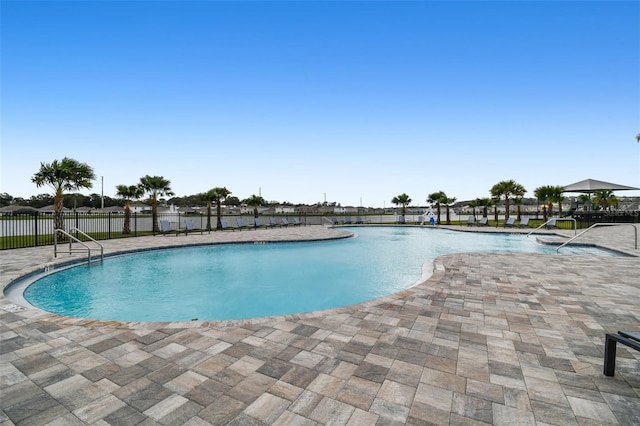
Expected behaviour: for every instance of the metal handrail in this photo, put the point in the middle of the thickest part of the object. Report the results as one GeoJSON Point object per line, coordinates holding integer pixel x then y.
{"type": "Point", "coordinates": [328, 220]}
{"type": "Point", "coordinates": [92, 239]}
{"type": "Point", "coordinates": [71, 240]}
{"type": "Point", "coordinates": [575, 225]}
{"type": "Point", "coordinates": [544, 224]}
{"type": "Point", "coordinates": [602, 224]}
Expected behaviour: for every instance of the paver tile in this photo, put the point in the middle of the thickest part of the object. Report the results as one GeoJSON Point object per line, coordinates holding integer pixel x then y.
{"type": "Point", "coordinates": [489, 339]}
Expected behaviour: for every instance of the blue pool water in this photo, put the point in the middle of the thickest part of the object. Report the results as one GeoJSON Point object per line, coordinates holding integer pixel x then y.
{"type": "Point", "coordinates": [240, 281]}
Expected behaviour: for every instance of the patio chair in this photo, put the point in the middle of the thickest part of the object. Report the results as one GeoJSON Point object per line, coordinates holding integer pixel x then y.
{"type": "Point", "coordinates": [484, 221]}
{"type": "Point", "coordinates": [347, 220]}
{"type": "Point", "coordinates": [225, 225]}
{"type": "Point", "coordinates": [285, 222]}
{"type": "Point", "coordinates": [358, 220]}
{"type": "Point", "coordinates": [190, 227]}
{"type": "Point", "coordinates": [273, 223]}
{"type": "Point", "coordinates": [551, 223]}
{"type": "Point", "coordinates": [241, 225]}
{"type": "Point", "coordinates": [627, 338]}
{"type": "Point", "coordinates": [165, 228]}
{"type": "Point", "coordinates": [524, 222]}
{"type": "Point", "coordinates": [296, 221]}
{"type": "Point", "coordinates": [258, 223]}
{"type": "Point", "coordinates": [510, 222]}
{"type": "Point", "coordinates": [471, 221]}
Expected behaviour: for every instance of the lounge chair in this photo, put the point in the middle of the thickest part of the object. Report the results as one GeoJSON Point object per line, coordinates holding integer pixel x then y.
{"type": "Point", "coordinates": [334, 220]}
{"type": "Point", "coordinates": [241, 225]}
{"type": "Point", "coordinates": [484, 221]}
{"type": "Point", "coordinates": [347, 220]}
{"type": "Point", "coordinates": [420, 220]}
{"type": "Point", "coordinates": [358, 220]}
{"type": "Point", "coordinates": [296, 221]}
{"type": "Point", "coordinates": [627, 338]}
{"type": "Point", "coordinates": [285, 222]}
{"type": "Point", "coordinates": [225, 225]}
{"type": "Point", "coordinates": [510, 222]}
{"type": "Point", "coordinates": [258, 223]}
{"type": "Point", "coordinates": [524, 222]}
{"type": "Point", "coordinates": [471, 221]}
{"type": "Point", "coordinates": [190, 227]}
{"type": "Point", "coordinates": [551, 223]}
{"type": "Point", "coordinates": [165, 228]}
{"type": "Point", "coordinates": [273, 223]}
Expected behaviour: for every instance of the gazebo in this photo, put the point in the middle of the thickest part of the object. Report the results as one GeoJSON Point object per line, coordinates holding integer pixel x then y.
{"type": "Point", "coordinates": [589, 186]}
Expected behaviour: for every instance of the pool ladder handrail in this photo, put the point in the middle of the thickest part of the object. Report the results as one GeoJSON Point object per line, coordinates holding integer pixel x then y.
{"type": "Point", "coordinates": [602, 224]}
{"type": "Point", "coordinates": [324, 218]}
{"type": "Point", "coordinates": [575, 225]}
{"type": "Point", "coordinates": [72, 239]}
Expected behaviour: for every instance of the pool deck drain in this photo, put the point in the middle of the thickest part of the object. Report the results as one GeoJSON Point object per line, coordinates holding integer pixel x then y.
{"type": "Point", "coordinates": [488, 339]}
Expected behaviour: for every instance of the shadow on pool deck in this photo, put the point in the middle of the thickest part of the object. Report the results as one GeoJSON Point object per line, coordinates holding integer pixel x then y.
{"type": "Point", "coordinates": [491, 339]}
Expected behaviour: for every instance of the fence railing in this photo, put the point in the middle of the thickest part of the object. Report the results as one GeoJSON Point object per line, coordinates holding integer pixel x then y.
{"type": "Point", "coordinates": [37, 229]}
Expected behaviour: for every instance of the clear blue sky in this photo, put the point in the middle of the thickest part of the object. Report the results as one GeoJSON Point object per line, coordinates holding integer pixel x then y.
{"type": "Point", "coordinates": [357, 100]}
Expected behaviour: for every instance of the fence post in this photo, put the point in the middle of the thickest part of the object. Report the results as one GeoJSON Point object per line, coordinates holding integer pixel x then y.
{"type": "Point", "coordinates": [109, 225]}
{"type": "Point", "coordinates": [135, 224]}
{"type": "Point", "coordinates": [35, 226]}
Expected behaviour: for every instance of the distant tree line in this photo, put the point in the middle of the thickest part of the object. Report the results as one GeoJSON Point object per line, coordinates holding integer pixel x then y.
{"type": "Point", "coordinates": [77, 200]}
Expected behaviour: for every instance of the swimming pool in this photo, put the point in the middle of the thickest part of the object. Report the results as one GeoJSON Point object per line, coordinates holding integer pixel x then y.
{"type": "Point", "coordinates": [239, 281]}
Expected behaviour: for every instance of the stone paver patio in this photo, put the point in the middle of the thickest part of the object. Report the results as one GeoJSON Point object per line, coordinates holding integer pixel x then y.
{"type": "Point", "coordinates": [489, 339]}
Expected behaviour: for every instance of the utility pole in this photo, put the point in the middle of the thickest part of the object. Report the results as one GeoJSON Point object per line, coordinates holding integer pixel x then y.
{"type": "Point", "coordinates": [102, 193]}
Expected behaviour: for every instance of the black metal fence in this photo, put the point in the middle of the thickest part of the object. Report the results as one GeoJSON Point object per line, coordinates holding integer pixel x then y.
{"type": "Point", "coordinates": [37, 229]}
{"type": "Point", "coordinates": [627, 216]}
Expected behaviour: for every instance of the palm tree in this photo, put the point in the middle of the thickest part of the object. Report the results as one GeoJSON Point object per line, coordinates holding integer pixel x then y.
{"type": "Point", "coordinates": [555, 196]}
{"type": "Point", "coordinates": [128, 193]}
{"type": "Point", "coordinates": [518, 195]}
{"type": "Point", "coordinates": [255, 201]}
{"type": "Point", "coordinates": [485, 203]}
{"type": "Point", "coordinates": [448, 202]}
{"type": "Point", "coordinates": [218, 195]}
{"type": "Point", "coordinates": [155, 186]}
{"type": "Point", "coordinates": [208, 197]}
{"type": "Point", "coordinates": [473, 204]}
{"type": "Point", "coordinates": [437, 199]}
{"type": "Point", "coordinates": [543, 193]}
{"type": "Point", "coordinates": [605, 199]}
{"type": "Point", "coordinates": [64, 175]}
{"type": "Point", "coordinates": [403, 200]}
{"type": "Point", "coordinates": [506, 189]}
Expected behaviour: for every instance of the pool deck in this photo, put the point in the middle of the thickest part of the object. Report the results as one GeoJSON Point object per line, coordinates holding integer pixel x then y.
{"type": "Point", "coordinates": [488, 339]}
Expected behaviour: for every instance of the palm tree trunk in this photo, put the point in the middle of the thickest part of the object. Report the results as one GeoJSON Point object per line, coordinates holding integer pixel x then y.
{"type": "Point", "coordinates": [58, 221]}
{"type": "Point", "coordinates": [126, 228]}
{"type": "Point", "coordinates": [219, 214]}
{"type": "Point", "coordinates": [209, 216]}
{"type": "Point", "coordinates": [154, 217]}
